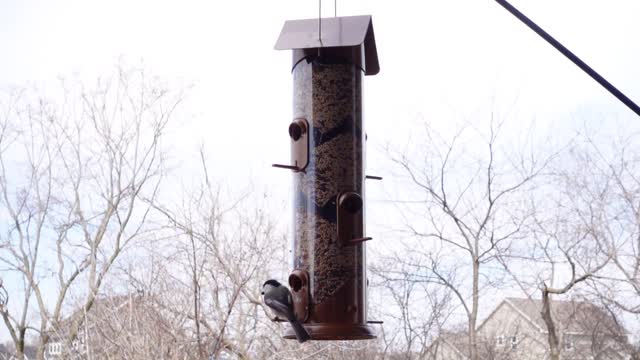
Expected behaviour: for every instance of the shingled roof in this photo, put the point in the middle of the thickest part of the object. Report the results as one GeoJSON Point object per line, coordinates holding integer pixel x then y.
{"type": "Point", "coordinates": [577, 317]}
{"type": "Point", "coordinates": [571, 318]}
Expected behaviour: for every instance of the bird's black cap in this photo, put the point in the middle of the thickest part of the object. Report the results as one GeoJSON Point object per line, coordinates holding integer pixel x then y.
{"type": "Point", "coordinates": [272, 282]}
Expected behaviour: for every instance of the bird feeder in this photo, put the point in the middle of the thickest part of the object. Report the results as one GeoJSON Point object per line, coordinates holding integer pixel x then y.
{"type": "Point", "coordinates": [329, 283]}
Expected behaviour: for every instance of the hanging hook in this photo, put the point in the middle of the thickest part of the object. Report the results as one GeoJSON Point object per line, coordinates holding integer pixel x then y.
{"type": "Point", "coordinates": [320, 21]}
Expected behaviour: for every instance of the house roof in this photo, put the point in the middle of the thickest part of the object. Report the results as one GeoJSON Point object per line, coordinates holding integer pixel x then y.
{"type": "Point", "coordinates": [575, 317]}
{"type": "Point", "coordinates": [459, 342]}
{"type": "Point", "coordinates": [7, 353]}
{"type": "Point", "coordinates": [572, 318]}
{"type": "Point", "coordinates": [102, 306]}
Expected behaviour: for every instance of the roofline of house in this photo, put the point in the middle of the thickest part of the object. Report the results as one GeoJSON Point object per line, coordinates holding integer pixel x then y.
{"type": "Point", "coordinates": [519, 311]}
{"type": "Point", "coordinates": [455, 348]}
{"type": "Point", "coordinates": [87, 325]}
{"type": "Point", "coordinates": [490, 315]}
{"type": "Point", "coordinates": [526, 317]}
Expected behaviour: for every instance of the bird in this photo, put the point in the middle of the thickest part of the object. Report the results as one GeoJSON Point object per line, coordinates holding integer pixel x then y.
{"type": "Point", "coordinates": [278, 298]}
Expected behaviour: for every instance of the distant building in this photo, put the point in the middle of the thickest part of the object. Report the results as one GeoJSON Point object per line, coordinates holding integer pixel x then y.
{"type": "Point", "coordinates": [116, 327]}
{"type": "Point", "coordinates": [8, 353]}
{"type": "Point", "coordinates": [515, 330]}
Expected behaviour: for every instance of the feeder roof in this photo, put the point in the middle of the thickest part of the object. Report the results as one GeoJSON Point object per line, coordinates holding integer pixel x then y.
{"type": "Point", "coordinates": [346, 31]}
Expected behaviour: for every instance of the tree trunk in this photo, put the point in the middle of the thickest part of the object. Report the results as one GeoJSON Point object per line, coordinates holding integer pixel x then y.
{"type": "Point", "coordinates": [554, 348]}
{"type": "Point", "coordinates": [20, 344]}
{"type": "Point", "coordinates": [42, 345]}
{"type": "Point", "coordinates": [473, 317]}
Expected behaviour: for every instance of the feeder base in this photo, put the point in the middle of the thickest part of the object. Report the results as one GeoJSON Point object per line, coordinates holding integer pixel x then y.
{"type": "Point", "coordinates": [335, 332]}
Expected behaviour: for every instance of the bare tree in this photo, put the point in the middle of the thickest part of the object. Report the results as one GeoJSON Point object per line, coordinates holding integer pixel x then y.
{"type": "Point", "coordinates": [468, 206]}
{"type": "Point", "coordinates": [610, 210]}
{"type": "Point", "coordinates": [560, 247]}
{"type": "Point", "coordinates": [225, 247]}
{"type": "Point", "coordinates": [575, 236]}
{"type": "Point", "coordinates": [553, 336]}
{"type": "Point", "coordinates": [73, 175]}
{"type": "Point", "coordinates": [602, 198]}
{"type": "Point", "coordinates": [414, 308]}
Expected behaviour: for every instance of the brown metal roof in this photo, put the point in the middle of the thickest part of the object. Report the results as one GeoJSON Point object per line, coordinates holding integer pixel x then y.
{"type": "Point", "coordinates": [346, 31]}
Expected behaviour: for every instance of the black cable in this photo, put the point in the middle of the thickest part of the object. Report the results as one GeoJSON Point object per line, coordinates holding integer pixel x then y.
{"type": "Point", "coordinates": [571, 56]}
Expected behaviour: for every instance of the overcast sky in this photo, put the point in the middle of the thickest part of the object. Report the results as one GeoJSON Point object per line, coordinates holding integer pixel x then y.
{"type": "Point", "coordinates": [441, 61]}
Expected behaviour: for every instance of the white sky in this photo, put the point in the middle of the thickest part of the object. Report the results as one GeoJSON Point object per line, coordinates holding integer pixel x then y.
{"type": "Point", "coordinates": [441, 61]}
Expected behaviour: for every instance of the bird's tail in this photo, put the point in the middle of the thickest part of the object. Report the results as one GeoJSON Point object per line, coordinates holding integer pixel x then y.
{"type": "Point", "coordinates": [301, 333]}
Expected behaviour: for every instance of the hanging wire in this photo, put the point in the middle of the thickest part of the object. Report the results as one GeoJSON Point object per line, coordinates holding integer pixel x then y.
{"type": "Point", "coordinates": [335, 8]}
{"type": "Point", "coordinates": [571, 56]}
{"type": "Point", "coordinates": [320, 21]}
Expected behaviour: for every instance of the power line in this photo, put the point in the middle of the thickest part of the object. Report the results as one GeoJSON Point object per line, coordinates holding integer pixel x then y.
{"type": "Point", "coordinates": [571, 56]}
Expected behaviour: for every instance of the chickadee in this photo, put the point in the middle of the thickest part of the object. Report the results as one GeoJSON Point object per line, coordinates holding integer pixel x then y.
{"type": "Point", "coordinates": [278, 298]}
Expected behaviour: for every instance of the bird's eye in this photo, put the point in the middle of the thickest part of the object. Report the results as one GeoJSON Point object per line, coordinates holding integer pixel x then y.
{"type": "Point", "coordinates": [262, 293]}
